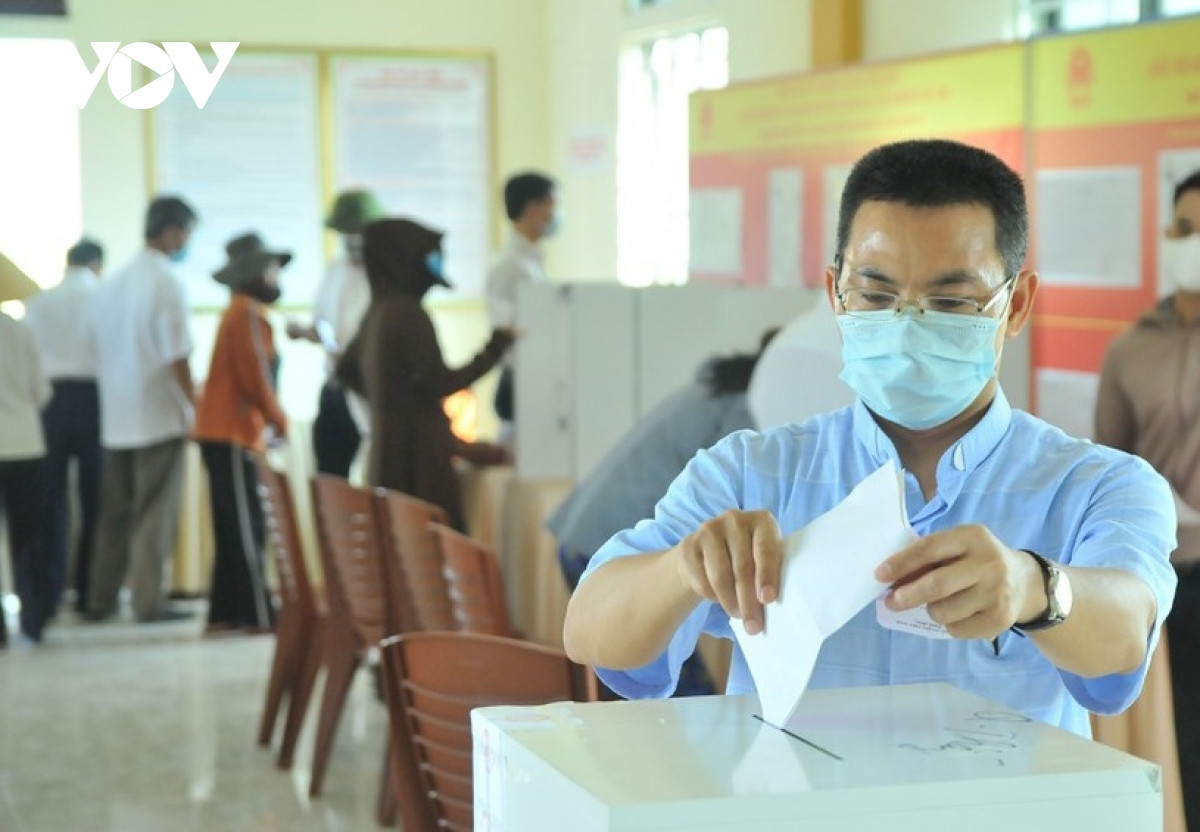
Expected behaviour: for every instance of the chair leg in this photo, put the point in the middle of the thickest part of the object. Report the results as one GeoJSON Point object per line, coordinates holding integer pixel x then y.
{"type": "Point", "coordinates": [388, 808]}
{"type": "Point", "coordinates": [342, 659]}
{"type": "Point", "coordinates": [311, 648]}
{"type": "Point", "coordinates": [284, 668]}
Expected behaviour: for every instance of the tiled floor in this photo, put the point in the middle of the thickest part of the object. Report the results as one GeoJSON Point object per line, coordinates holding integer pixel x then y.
{"type": "Point", "coordinates": [150, 728]}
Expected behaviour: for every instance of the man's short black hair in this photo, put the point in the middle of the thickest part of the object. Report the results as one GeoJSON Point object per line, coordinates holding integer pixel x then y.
{"type": "Point", "coordinates": [85, 253]}
{"type": "Point", "coordinates": [524, 188]}
{"type": "Point", "coordinates": [168, 212]}
{"type": "Point", "coordinates": [1192, 183]}
{"type": "Point", "coordinates": [934, 173]}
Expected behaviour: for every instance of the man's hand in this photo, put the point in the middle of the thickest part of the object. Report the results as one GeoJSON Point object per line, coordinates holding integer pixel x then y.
{"type": "Point", "coordinates": [972, 584]}
{"type": "Point", "coordinates": [301, 332]}
{"type": "Point", "coordinates": [734, 560]}
{"type": "Point", "coordinates": [484, 454]}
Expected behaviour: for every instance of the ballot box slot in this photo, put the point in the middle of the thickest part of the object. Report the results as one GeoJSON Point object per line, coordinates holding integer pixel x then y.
{"type": "Point", "coordinates": [796, 736]}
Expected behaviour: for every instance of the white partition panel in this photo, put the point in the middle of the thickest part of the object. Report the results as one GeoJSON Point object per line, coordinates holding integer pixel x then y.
{"type": "Point", "coordinates": [545, 382]}
{"type": "Point", "coordinates": [605, 365]}
{"type": "Point", "coordinates": [681, 326]}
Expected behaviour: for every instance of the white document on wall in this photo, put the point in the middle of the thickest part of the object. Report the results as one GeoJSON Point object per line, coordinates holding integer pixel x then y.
{"type": "Point", "coordinates": [249, 161]}
{"type": "Point", "coordinates": [828, 577]}
{"type": "Point", "coordinates": [785, 215]}
{"type": "Point", "coordinates": [715, 236]}
{"type": "Point", "coordinates": [1089, 227]}
{"type": "Point", "coordinates": [417, 132]}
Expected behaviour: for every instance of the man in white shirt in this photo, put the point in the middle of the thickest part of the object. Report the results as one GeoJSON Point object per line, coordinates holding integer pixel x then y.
{"type": "Point", "coordinates": [530, 202]}
{"type": "Point", "coordinates": [341, 302]}
{"type": "Point", "coordinates": [23, 391]}
{"type": "Point", "coordinates": [140, 326]}
{"type": "Point", "coordinates": [58, 319]}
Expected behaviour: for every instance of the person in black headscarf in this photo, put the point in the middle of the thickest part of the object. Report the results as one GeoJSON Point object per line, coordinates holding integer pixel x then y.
{"type": "Point", "coordinates": [396, 364]}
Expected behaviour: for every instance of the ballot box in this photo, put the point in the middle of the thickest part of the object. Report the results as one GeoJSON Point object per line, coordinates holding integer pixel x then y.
{"type": "Point", "coordinates": [913, 757]}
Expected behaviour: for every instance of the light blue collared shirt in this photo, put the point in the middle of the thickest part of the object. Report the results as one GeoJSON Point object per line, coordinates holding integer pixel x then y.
{"type": "Point", "coordinates": [1032, 485]}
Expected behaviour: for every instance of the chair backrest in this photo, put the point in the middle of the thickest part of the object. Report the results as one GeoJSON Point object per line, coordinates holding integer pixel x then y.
{"type": "Point", "coordinates": [476, 588]}
{"type": "Point", "coordinates": [351, 552]}
{"type": "Point", "coordinates": [409, 543]}
{"type": "Point", "coordinates": [283, 537]}
{"type": "Point", "coordinates": [434, 680]}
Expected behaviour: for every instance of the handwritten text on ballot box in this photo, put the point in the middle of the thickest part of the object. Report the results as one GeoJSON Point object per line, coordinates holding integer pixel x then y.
{"type": "Point", "coordinates": [903, 758]}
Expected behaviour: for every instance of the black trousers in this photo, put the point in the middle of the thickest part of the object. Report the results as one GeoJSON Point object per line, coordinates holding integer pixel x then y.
{"type": "Point", "coordinates": [238, 596]}
{"type": "Point", "coordinates": [1183, 633]}
{"type": "Point", "coordinates": [21, 500]}
{"type": "Point", "coordinates": [71, 422]}
{"type": "Point", "coordinates": [335, 434]}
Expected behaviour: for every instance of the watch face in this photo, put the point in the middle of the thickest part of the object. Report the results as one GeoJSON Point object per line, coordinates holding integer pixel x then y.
{"type": "Point", "coordinates": [1063, 598]}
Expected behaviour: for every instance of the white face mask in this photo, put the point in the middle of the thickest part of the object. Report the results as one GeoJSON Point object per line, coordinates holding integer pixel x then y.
{"type": "Point", "coordinates": [1181, 262]}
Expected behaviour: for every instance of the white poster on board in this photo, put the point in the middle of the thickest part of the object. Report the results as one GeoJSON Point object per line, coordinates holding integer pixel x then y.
{"type": "Point", "coordinates": [417, 132]}
{"type": "Point", "coordinates": [715, 223]}
{"type": "Point", "coordinates": [249, 161]}
{"type": "Point", "coordinates": [785, 214]}
{"type": "Point", "coordinates": [1089, 227]}
{"type": "Point", "coordinates": [1174, 166]}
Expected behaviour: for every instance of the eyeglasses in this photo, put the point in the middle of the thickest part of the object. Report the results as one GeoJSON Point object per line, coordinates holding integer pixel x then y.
{"type": "Point", "coordinates": [868, 302]}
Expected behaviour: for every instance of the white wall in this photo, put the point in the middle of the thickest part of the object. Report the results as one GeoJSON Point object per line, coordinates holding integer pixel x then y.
{"type": "Point", "coordinates": [903, 28]}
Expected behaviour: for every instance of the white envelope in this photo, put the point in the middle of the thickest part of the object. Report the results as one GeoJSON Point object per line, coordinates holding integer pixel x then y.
{"type": "Point", "coordinates": [828, 577]}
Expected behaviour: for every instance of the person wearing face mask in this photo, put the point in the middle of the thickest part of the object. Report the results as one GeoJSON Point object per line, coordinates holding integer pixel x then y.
{"type": "Point", "coordinates": [341, 302]}
{"type": "Point", "coordinates": [395, 363]}
{"type": "Point", "coordinates": [1045, 557]}
{"type": "Point", "coordinates": [139, 327]}
{"type": "Point", "coordinates": [236, 411]}
{"type": "Point", "coordinates": [531, 204]}
{"type": "Point", "coordinates": [1149, 404]}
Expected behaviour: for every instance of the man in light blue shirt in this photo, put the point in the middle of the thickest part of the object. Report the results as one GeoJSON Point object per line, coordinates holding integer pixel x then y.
{"type": "Point", "coordinates": [1045, 557]}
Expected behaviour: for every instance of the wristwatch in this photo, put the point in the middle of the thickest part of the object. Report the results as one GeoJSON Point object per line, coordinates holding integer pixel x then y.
{"type": "Point", "coordinates": [1058, 593]}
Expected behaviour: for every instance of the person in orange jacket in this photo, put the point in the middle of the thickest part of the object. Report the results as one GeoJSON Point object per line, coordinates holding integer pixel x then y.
{"type": "Point", "coordinates": [237, 409]}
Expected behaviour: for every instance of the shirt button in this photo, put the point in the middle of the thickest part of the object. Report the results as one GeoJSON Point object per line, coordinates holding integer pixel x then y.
{"type": "Point", "coordinates": [959, 461]}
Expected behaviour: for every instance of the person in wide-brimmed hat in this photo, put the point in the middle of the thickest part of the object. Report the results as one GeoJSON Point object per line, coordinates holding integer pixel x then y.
{"type": "Point", "coordinates": [236, 410]}
{"type": "Point", "coordinates": [252, 270]}
{"type": "Point", "coordinates": [338, 310]}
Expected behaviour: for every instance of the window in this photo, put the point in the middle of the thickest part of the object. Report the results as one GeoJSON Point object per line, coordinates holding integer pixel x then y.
{"type": "Point", "coordinates": [1171, 8]}
{"type": "Point", "coordinates": [1036, 17]}
{"type": "Point", "coordinates": [41, 212]}
{"type": "Point", "coordinates": [634, 5]}
{"type": "Point", "coordinates": [652, 150]}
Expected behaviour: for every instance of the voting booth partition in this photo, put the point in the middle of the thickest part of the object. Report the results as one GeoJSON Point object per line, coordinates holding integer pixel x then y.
{"type": "Point", "coordinates": [904, 758]}
{"type": "Point", "coordinates": [593, 359]}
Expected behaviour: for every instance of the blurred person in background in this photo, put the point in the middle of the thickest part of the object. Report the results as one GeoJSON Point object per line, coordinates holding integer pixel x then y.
{"type": "Point", "coordinates": [58, 319]}
{"type": "Point", "coordinates": [341, 302]}
{"type": "Point", "coordinates": [140, 328]}
{"type": "Point", "coordinates": [1149, 405]}
{"type": "Point", "coordinates": [395, 362]}
{"type": "Point", "coordinates": [237, 408]}
{"type": "Point", "coordinates": [23, 391]}
{"type": "Point", "coordinates": [531, 204]}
